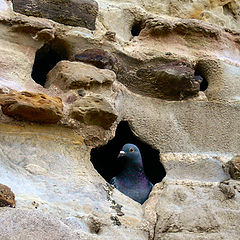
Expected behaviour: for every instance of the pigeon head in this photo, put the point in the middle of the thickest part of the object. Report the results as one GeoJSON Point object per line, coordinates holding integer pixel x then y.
{"type": "Point", "coordinates": [131, 154]}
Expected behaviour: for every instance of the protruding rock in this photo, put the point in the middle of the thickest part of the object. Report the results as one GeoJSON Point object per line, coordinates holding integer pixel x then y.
{"type": "Point", "coordinates": [98, 58]}
{"type": "Point", "coordinates": [93, 110]}
{"type": "Point", "coordinates": [173, 80]}
{"type": "Point", "coordinates": [76, 75]}
{"type": "Point", "coordinates": [7, 197]}
{"type": "Point", "coordinates": [81, 13]}
{"type": "Point", "coordinates": [34, 107]}
{"type": "Point", "coordinates": [233, 167]}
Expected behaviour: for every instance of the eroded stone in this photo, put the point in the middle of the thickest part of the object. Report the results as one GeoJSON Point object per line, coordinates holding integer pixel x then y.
{"type": "Point", "coordinates": [97, 57]}
{"type": "Point", "coordinates": [233, 167]}
{"type": "Point", "coordinates": [80, 13]}
{"type": "Point", "coordinates": [173, 80]}
{"type": "Point", "coordinates": [7, 197]}
{"type": "Point", "coordinates": [30, 106]}
{"type": "Point", "coordinates": [93, 110]}
{"type": "Point", "coordinates": [76, 75]}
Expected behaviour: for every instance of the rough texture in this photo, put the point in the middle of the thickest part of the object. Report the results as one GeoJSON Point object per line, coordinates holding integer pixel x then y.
{"type": "Point", "coordinates": [67, 197]}
{"type": "Point", "coordinates": [94, 110]}
{"type": "Point", "coordinates": [58, 192]}
{"type": "Point", "coordinates": [172, 80]}
{"type": "Point", "coordinates": [76, 75]}
{"type": "Point", "coordinates": [7, 197]}
{"type": "Point", "coordinates": [196, 211]}
{"type": "Point", "coordinates": [74, 13]}
{"type": "Point", "coordinates": [233, 167]}
{"type": "Point", "coordinates": [97, 57]}
{"type": "Point", "coordinates": [29, 106]}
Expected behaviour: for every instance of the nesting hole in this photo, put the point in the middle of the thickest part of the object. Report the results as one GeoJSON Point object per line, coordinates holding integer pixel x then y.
{"type": "Point", "coordinates": [46, 58]}
{"type": "Point", "coordinates": [136, 28]}
{"type": "Point", "coordinates": [105, 161]}
{"type": "Point", "coordinates": [227, 10]}
{"type": "Point", "coordinates": [198, 74]}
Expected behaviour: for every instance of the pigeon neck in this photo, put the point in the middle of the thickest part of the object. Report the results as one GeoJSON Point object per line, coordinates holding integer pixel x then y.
{"type": "Point", "coordinates": [133, 169]}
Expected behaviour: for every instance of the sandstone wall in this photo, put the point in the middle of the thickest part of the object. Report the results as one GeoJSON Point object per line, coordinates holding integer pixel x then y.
{"type": "Point", "coordinates": [169, 68]}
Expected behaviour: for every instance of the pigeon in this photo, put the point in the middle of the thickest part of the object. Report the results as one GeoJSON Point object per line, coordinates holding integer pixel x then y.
{"type": "Point", "coordinates": [132, 180]}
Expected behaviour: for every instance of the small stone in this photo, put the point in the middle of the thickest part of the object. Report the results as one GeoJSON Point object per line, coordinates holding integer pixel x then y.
{"type": "Point", "coordinates": [115, 220]}
{"type": "Point", "coordinates": [93, 110]}
{"type": "Point", "coordinates": [94, 225]}
{"type": "Point", "coordinates": [233, 167]}
{"type": "Point", "coordinates": [81, 13]}
{"type": "Point", "coordinates": [35, 107]}
{"type": "Point", "coordinates": [7, 197]}
{"type": "Point", "coordinates": [227, 190]}
{"type": "Point", "coordinates": [111, 36]}
{"type": "Point", "coordinates": [81, 93]}
{"type": "Point", "coordinates": [97, 57]}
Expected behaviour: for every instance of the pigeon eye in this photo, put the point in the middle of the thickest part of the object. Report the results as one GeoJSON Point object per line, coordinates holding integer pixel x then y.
{"type": "Point", "coordinates": [131, 150]}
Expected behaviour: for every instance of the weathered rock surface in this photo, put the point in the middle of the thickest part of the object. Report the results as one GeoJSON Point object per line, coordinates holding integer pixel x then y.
{"type": "Point", "coordinates": [48, 167]}
{"type": "Point", "coordinates": [196, 210]}
{"type": "Point", "coordinates": [76, 75]}
{"type": "Point", "coordinates": [34, 107]}
{"type": "Point", "coordinates": [97, 57]}
{"type": "Point", "coordinates": [172, 80]}
{"type": "Point", "coordinates": [70, 196]}
{"type": "Point", "coordinates": [94, 110]}
{"type": "Point", "coordinates": [233, 167]}
{"type": "Point", "coordinates": [81, 13]}
{"type": "Point", "coordinates": [7, 197]}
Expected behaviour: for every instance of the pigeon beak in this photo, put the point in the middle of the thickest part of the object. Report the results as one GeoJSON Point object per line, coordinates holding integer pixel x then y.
{"type": "Point", "coordinates": [121, 154]}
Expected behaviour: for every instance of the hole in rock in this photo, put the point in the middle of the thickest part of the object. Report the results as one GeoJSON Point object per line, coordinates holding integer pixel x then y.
{"type": "Point", "coordinates": [136, 28]}
{"type": "Point", "coordinates": [227, 10]}
{"type": "Point", "coordinates": [199, 76]}
{"type": "Point", "coordinates": [105, 161]}
{"type": "Point", "coordinates": [46, 58]}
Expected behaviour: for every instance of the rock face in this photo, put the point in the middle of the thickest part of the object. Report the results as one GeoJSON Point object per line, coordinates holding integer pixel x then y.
{"type": "Point", "coordinates": [186, 218]}
{"type": "Point", "coordinates": [7, 197]}
{"type": "Point", "coordinates": [76, 75]}
{"type": "Point", "coordinates": [97, 57]}
{"type": "Point", "coordinates": [32, 106]}
{"type": "Point", "coordinates": [143, 63]}
{"type": "Point", "coordinates": [173, 80]}
{"type": "Point", "coordinates": [94, 111]}
{"type": "Point", "coordinates": [233, 167]}
{"type": "Point", "coordinates": [80, 13]}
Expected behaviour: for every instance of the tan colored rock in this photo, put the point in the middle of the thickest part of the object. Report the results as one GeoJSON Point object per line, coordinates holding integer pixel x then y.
{"type": "Point", "coordinates": [75, 75]}
{"type": "Point", "coordinates": [71, 198]}
{"type": "Point", "coordinates": [7, 197]}
{"type": "Point", "coordinates": [233, 167]}
{"type": "Point", "coordinates": [34, 107]}
{"type": "Point", "coordinates": [93, 110]}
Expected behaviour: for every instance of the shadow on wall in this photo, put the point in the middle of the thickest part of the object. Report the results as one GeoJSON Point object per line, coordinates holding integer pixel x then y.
{"type": "Point", "coordinates": [104, 158]}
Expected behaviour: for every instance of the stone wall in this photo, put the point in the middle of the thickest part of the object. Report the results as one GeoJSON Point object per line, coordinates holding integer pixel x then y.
{"type": "Point", "coordinates": [70, 72]}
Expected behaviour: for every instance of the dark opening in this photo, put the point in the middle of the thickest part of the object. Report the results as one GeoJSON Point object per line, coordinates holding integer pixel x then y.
{"type": "Point", "coordinates": [136, 28]}
{"type": "Point", "coordinates": [46, 58]}
{"type": "Point", "coordinates": [227, 10]}
{"type": "Point", "coordinates": [199, 76]}
{"type": "Point", "coordinates": [104, 158]}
